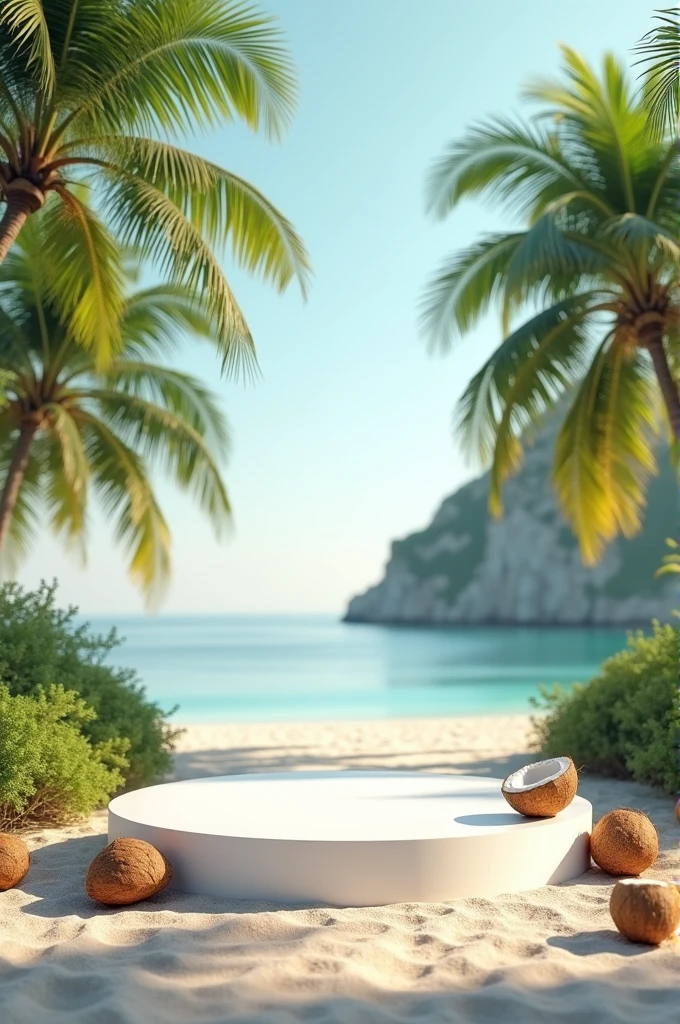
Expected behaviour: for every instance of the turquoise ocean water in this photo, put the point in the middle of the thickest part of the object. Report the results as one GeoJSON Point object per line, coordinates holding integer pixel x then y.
{"type": "Point", "coordinates": [269, 668]}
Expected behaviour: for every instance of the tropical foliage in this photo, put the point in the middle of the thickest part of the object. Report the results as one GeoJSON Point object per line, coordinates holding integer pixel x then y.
{"type": "Point", "coordinates": [69, 429]}
{"type": "Point", "coordinates": [625, 721]}
{"type": "Point", "coordinates": [671, 561]}
{"type": "Point", "coordinates": [93, 93]}
{"type": "Point", "coordinates": [596, 262]}
{"type": "Point", "coordinates": [42, 644]}
{"type": "Point", "coordinates": [49, 772]}
{"type": "Point", "coordinates": [659, 52]}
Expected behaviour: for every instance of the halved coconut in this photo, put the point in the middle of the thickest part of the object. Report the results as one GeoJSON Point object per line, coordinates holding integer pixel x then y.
{"type": "Point", "coordinates": [542, 789]}
{"type": "Point", "coordinates": [645, 910]}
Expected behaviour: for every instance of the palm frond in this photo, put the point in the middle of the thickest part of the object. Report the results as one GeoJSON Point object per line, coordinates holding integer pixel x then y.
{"type": "Point", "coordinates": [522, 380]}
{"type": "Point", "coordinates": [183, 395]}
{"type": "Point", "coordinates": [464, 288]}
{"type": "Point", "coordinates": [659, 52]}
{"type": "Point", "coordinates": [84, 276]}
{"type": "Point", "coordinates": [604, 454]}
{"type": "Point", "coordinates": [169, 440]}
{"type": "Point", "coordinates": [124, 490]}
{"type": "Point", "coordinates": [25, 524]}
{"type": "Point", "coordinates": [64, 500]}
{"type": "Point", "coordinates": [508, 161]}
{"type": "Point", "coordinates": [547, 256]}
{"type": "Point", "coordinates": [148, 219]}
{"type": "Point", "coordinates": [154, 319]}
{"type": "Point", "coordinates": [220, 206]}
{"type": "Point", "coordinates": [642, 237]}
{"type": "Point", "coordinates": [601, 119]}
{"type": "Point", "coordinates": [26, 25]}
{"type": "Point", "coordinates": [15, 347]}
{"type": "Point", "coordinates": [72, 456]}
{"type": "Point", "coordinates": [183, 65]}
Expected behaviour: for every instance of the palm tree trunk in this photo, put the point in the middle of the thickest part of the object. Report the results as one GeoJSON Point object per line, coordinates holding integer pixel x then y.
{"type": "Point", "coordinates": [669, 388]}
{"type": "Point", "coordinates": [15, 477]}
{"type": "Point", "coordinates": [20, 204]}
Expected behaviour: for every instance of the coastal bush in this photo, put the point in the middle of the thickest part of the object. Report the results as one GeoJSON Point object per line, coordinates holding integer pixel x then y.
{"type": "Point", "coordinates": [625, 721]}
{"type": "Point", "coordinates": [41, 644]}
{"type": "Point", "coordinates": [49, 772]}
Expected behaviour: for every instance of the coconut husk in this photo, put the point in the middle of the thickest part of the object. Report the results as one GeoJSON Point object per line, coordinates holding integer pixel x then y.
{"type": "Point", "coordinates": [14, 861]}
{"type": "Point", "coordinates": [546, 800]}
{"type": "Point", "coordinates": [645, 910]}
{"type": "Point", "coordinates": [126, 871]}
{"type": "Point", "coordinates": [624, 842]}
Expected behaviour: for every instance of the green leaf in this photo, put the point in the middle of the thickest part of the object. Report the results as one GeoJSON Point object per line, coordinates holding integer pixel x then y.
{"type": "Point", "coordinates": [170, 440]}
{"type": "Point", "coordinates": [604, 115]}
{"type": "Point", "coordinates": [25, 524]}
{"type": "Point", "coordinates": [72, 457]}
{"type": "Point", "coordinates": [670, 563]}
{"type": "Point", "coordinates": [507, 161]}
{"type": "Point", "coordinates": [120, 480]}
{"type": "Point", "coordinates": [82, 273]}
{"type": "Point", "coordinates": [544, 253]}
{"type": "Point", "coordinates": [27, 26]}
{"type": "Point", "coordinates": [465, 287]}
{"type": "Point", "coordinates": [183, 395]}
{"type": "Point", "coordinates": [150, 221]}
{"type": "Point", "coordinates": [155, 319]}
{"type": "Point", "coordinates": [660, 54]}
{"type": "Point", "coordinates": [604, 455]}
{"type": "Point", "coordinates": [65, 500]}
{"type": "Point", "coordinates": [182, 65]}
{"type": "Point", "coordinates": [524, 378]}
{"type": "Point", "coordinates": [218, 204]}
{"type": "Point", "coordinates": [644, 237]}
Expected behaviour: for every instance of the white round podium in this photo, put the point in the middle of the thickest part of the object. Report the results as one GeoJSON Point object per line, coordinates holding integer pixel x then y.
{"type": "Point", "coordinates": [352, 838]}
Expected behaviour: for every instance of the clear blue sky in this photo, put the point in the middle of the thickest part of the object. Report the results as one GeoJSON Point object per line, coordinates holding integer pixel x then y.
{"type": "Point", "coordinates": [345, 443]}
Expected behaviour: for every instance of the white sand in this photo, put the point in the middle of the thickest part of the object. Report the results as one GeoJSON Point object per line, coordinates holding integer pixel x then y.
{"type": "Point", "coordinates": [543, 956]}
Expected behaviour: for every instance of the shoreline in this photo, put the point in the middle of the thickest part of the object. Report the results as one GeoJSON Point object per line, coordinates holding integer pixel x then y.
{"type": "Point", "coordinates": [246, 723]}
{"type": "Point", "coordinates": [510, 624]}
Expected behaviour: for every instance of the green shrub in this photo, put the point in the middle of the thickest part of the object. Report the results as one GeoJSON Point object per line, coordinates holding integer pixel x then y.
{"type": "Point", "coordinates": [625, 721]}
{"type": "Point", "coordinates": [41, 644]}
{"type": "Point", "coordinates": [49, 772]}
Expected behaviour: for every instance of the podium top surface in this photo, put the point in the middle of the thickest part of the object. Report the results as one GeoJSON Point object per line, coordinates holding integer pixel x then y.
{"type": "Point", "coordinates": [335, 806]}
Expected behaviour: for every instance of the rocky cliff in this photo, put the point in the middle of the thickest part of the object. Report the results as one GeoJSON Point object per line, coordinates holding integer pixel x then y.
{"type": "Point", "coordinates": [525, 568]}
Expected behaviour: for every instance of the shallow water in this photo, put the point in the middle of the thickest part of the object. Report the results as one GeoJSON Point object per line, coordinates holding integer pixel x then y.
{"type": "Point", "coordinates": [250, 668]}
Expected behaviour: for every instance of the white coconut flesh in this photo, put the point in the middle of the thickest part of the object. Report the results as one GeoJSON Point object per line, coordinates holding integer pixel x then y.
{"type": "Point", "coordinates": [656, 882]}
{"type": "Point", "coordinates": [533, 776]}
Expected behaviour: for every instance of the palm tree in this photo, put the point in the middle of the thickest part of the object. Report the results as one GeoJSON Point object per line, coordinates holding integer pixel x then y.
{"type": "Point", "coordinates": [94, 92]}
{"type": "Point", "coordinates": [68, 428]}
{"type": "Point", "coordinates": [596, 260]}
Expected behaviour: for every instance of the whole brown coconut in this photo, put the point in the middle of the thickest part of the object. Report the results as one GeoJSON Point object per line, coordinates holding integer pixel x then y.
{"type": "Point", "coordinates": [645, 910]}
{"type": "Point", "coordinates": [542, 789]}
{"type": "Point", "coordinates": [14, 861]}
{"type": "Point", "coordinates": [624, 842]}
{"type": "Point", "coordinates": [126, 871]}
